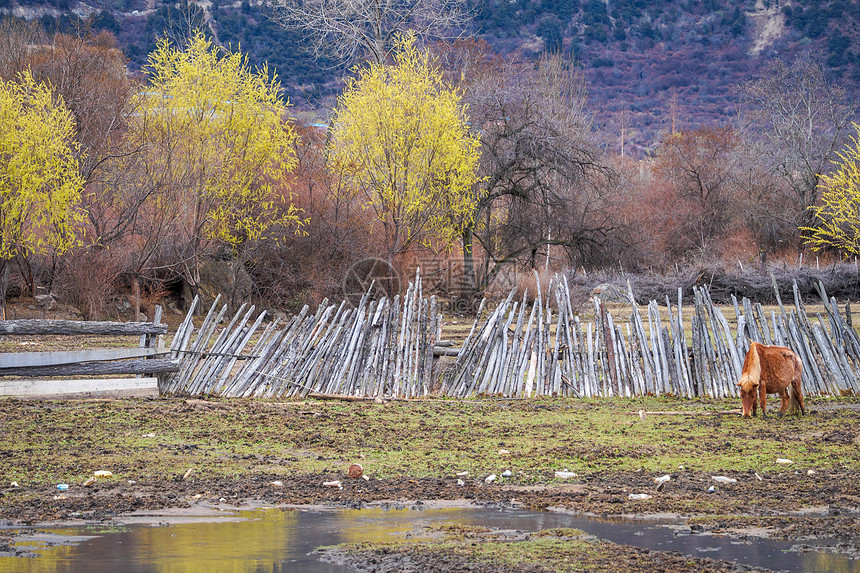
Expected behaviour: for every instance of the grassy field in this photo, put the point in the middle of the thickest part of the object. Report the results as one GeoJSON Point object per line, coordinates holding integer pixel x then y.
{"type": "Point", "coordinates": [48, 442]}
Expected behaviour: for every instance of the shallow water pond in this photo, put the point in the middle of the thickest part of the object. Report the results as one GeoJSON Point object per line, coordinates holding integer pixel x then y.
{"type": "Point", "coordinates": [274, 540]}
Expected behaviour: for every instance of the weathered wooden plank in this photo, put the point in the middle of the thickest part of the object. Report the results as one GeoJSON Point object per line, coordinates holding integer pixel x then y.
{"type": "Point", "coordinates": [682, 342]}
{"type": "Point", "coordinates": [151, 340]}
{"type": "Point", "coordinates": [203, 377]}
{"type": "Point", "coordinates": [40, 327]}
{"type": "Point", "coordinates": [235, 349]}
{"type": "Point", "coordinates": [95, 368]}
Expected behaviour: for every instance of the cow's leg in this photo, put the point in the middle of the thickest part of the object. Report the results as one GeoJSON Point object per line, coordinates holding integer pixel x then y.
{"type": "Point", "coordinates": [795, 384]}
{"type": "Point", "coordinates": [783, 396]}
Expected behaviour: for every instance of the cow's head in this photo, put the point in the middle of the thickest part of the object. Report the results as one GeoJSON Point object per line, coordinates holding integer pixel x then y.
{"type": "Point", "coordinates": [749, 394]}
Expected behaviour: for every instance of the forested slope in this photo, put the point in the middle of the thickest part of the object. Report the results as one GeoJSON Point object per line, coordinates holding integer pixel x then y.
{"type": "Point", "coordinates": [649, 64]}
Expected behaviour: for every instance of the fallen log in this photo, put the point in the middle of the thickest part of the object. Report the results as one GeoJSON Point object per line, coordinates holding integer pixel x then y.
{"type": "Point", "coordinates": [344, 397]}
{"type": "Point", "coordinates": [685, 413]}
{"type": "Point", "coordinates": [444, 351]}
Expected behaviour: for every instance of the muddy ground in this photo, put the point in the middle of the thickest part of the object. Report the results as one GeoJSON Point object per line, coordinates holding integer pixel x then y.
{"type": "Point", "coordinates": [174, 453]}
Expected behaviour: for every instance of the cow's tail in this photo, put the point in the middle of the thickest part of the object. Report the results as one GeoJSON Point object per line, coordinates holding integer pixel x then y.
{"type": "Point", "coordinates": [793, 402]}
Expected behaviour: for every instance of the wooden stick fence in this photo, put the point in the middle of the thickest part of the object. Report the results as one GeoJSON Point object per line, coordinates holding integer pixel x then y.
{"type": "Point", "coordinates": [519, 349]}
{"type": "Point", "coordinates": [379, 348]}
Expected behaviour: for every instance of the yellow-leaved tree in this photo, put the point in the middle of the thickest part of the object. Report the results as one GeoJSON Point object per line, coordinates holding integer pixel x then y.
{"type": "Point", "coordinates": [40, 185]}
{"type": "Point", "coordinates": [837, 218]}
{"type": "Point", "coordinates": [216, 139]}
{"type": "Point", "coordinates": [401, 137]}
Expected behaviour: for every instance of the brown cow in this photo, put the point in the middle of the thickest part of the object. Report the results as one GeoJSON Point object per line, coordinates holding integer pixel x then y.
{"type": "Point", "coordinates": [770, 370]}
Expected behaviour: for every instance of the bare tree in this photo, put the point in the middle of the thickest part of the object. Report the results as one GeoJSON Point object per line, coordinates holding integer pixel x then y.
{"type": "Point", "coordinates": [699, 173]}
{"type": "Point", "coordinates": [542, 184]}
{"type": "Point", "coordinates": [17, 39]}
{"type": "Point", "coordinates": [89, 71]}
{"type": "Point", "coordinates": [798, 118]}
{"type": "Point", "coordinates": [767, 203]}
{"type": "Point", "coordinates": [351, 29]}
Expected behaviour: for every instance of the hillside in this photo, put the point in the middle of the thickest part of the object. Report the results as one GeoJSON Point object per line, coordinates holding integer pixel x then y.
{"type": "Point", "coordinates": [649, 63]}
{"type": "Point", "coordinates": [652, 63]}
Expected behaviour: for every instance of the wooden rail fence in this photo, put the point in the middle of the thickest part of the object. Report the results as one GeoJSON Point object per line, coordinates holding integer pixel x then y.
{"type": "Point", "coordinates": [49, 373]}
{"type": "Point", "coordinates": [521, 348]}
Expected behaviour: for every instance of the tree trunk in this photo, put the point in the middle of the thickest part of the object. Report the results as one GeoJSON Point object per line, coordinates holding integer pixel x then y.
{"type": "Point", "coordinates": [136, 290]}
{"type": "Point", "coordinates": [4, 281]}
{"type": "Point", "coordinates": [27, 273]}
{"type": "Point", "coordinates": [468, 263]}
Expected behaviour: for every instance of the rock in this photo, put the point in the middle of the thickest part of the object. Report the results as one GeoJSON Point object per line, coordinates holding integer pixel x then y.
{"type": "Point", "coordinates": [639, 496]}
{"type": "Point", "coordinates": [13, 484]}
{"type": "Point", "coordinates": [662, 479]}
{"type": "Point", "coordinates": [565, 475]}
{"type": "Point", "coordinates": [712, 489]}
{"type": "Point", "coordinates": [783, 461]}
{"type": "Point", "coordinates": [173, 307]}
{"type": "Point", "coordinates": [609, 293]}
{"type": "Point", "coordinates": [810, 472]}
{"type": "Point", "coordinates": [460, 482]}
{"type": "Point", "coordinates": [45, 301]}
{"type": "Point", "coordinates": [355, 471]}
{"type": "Point", "coordinates": [723, 479]}
{"type": "Point", "coordinates": [462, 474]}
{"type": "Point", "coordinates": [222, 277]}
{"type": "Point", "coordinates": [276, 483]}
{"type": "Point", "coordinates": [507, 474]}
{"type": "Point", "coordinates": [490, 478]}
{"type": "Point", "coordinates": [335, 483]}
{"type": "Point", "coordinates": [504, 453]}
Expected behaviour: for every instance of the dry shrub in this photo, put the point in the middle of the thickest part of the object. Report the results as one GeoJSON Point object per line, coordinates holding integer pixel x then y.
{"type": "Point", "coordinates": [91, 280]}
{"type": "Point", "coordinates": [841, 280]}
{"type": "Point", "coordinates": [297, 269]}
{"type": "Point", "coordinates": [524, 282]}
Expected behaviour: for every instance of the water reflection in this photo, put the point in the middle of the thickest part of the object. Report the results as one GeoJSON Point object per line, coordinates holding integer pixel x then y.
{"type": "Point", "coordinates": [273, 540]}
